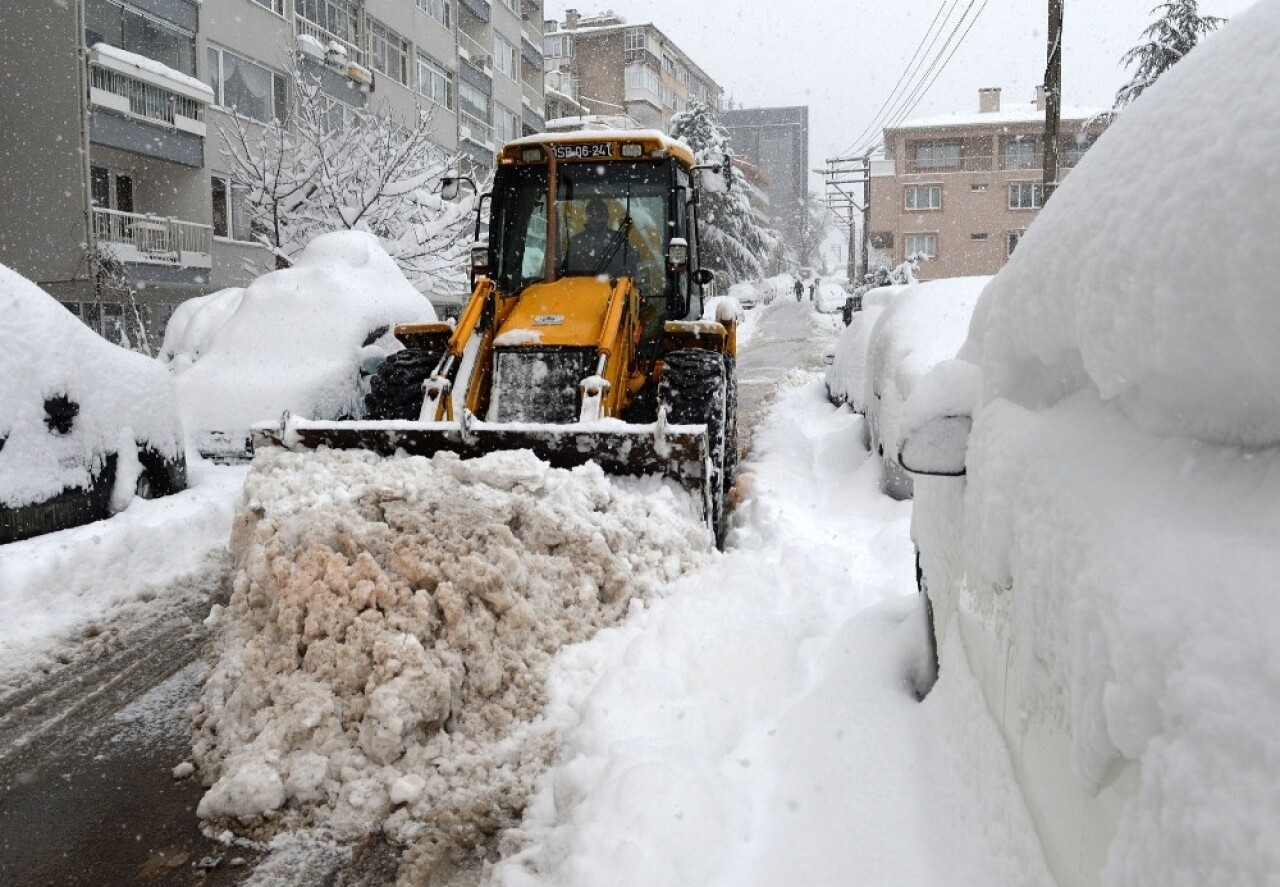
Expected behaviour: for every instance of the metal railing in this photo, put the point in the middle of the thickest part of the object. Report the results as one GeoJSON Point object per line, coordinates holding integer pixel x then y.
{"type": "Point", "coordinates": [156, 240]}
{"type": "Point", "coordinates": [481, 55]}
{"type": "Point", "coordinates": [145, 99]}
{"type": "Point", "coordinates": [323, 19]}
{"type": "Point", "coordinates": [980, 163]}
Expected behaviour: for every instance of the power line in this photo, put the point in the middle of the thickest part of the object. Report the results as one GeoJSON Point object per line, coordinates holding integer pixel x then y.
{"type": "Point", "coordinates": [870, 127]}
{"type": "Point", "coordinates": [924, 82]}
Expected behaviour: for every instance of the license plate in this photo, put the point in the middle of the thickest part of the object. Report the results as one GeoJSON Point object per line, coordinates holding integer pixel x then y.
{"type": "Point", "coordinates": [585, 151]}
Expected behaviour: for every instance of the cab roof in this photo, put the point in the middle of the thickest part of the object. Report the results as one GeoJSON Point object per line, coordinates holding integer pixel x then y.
{"type": "Point", "coordinates": [649, 139]}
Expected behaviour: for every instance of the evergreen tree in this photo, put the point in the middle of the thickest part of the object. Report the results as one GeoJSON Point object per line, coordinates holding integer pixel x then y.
{"type": "Point", "coordinates": [1175, 32]}
{"type": "Point", "coordinates": [733, 243]}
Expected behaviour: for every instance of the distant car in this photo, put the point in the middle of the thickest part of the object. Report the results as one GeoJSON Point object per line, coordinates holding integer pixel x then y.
{"type": "Point", "coordinates": [84, 424]}
{"type": "Point", "coordinates": [923, 325]}
{"type": "Point", "coordinates": [746, 293]}
{"type": "Point", "coordinates": [829, 297]}
{"type": "Point", "coordinates": [846, 378]}
{"type": "Point", "coordinates": [304, 339]}
{"type": "Point", "coordinates": [1097, 505]}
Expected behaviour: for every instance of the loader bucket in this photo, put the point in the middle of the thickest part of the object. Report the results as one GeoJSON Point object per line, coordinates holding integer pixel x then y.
{"type": "Point", "coordinates": [678, 452]}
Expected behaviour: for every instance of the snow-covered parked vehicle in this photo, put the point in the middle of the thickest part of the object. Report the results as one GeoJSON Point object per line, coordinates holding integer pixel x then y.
{"type": "Point", "coordinates": [304, 339]}
{"type": "Point", "coordinates": [829, 296]}
{"type": "Point", "coordinates": [747, 294]}
{"type": "Point", "coordinates": [1103, 556]}
{"type": "Point", "coordinates": [84, 424]}
{"type": "Point", "coordinates": [923, 325]}
{"type": "Point", "coordinates": [846, 378]}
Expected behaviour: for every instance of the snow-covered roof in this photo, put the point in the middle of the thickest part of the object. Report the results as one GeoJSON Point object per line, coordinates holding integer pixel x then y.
{"type": "Point", "coordinates": [665, 141]}
{"type": "Point", "coordinates": [1026, 113]}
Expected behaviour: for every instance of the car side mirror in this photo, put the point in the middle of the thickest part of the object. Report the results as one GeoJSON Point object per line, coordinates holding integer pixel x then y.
{"type": "Point", "coordinates": [480, 258]}
{"type": "Point", "coordinates": [703, 276]}
{"type": "Point", "coordinates": [937, 447]}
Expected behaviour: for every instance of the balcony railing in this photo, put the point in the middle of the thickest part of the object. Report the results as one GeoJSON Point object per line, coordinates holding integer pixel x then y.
{"type": "Point", "coordinates": [153, 240]}
{"type": "Point", "coordinates": [480, 55]}
{"type": "Point", "coordinates": [475, 129]}
{"type": "Point", "coordinates": [979, 163]}
{"type": "Point", "coordinates": [137, 98]}
{"type": "Point", "coordinates": [338, 15]}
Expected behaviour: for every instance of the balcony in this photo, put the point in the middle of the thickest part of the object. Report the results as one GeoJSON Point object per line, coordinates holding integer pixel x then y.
{"type": "Point", "coordinates": [331, 21]}
{"type": "Point", "coordinates": [141, 106]}
{"type": "Point", "coordinates": [137, 238]}
{"type": "Point", "coordinates": [981, 163]}
{"type": "Point", "coordinates": [478, 8]}
{"type": "Point", "coordinates": [475, 52]}
{"type": "Point", "coordinates": [531, 54]}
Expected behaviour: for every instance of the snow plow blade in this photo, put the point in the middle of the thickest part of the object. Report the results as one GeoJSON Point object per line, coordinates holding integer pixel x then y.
{"type": "Point", "coordinates": [678, 452]}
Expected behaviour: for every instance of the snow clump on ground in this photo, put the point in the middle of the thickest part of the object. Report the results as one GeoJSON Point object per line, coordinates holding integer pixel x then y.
{"type": "Point", "coordinates": [382, 661]}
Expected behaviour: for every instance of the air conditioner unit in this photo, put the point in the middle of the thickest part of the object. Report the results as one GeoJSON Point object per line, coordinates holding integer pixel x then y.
{"type": "Point", "coordinates": [308, 46]}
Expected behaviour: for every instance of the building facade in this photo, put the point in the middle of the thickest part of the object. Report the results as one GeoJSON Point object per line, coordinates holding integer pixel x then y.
{"type": "Point", "coordinates": [958, 191]}
{"type": "Point", "coordinates": [776, 140]}
{"type": "Point", "coordinates": [611, 67]}
{"type": "Point", "coordinates": [112, 126]}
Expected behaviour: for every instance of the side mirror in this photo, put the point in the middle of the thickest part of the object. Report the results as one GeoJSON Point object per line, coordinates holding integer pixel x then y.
{"type": "Point", "coordinates": [703, 276]}
{"type": "Point", "coordinates": [449, 188]}
{"type": "Point", "coordinates": [937, 447]}
{"type": "Point", "coordinates": [678, 255]}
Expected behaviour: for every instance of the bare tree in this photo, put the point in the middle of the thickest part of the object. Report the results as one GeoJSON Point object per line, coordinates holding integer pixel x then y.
{"type": "Point", "coordinates": [328, 165]}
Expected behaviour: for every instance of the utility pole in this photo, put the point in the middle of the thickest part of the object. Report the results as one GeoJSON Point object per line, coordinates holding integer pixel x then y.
{"type": "Point", "coordinates": [843, 175]}
{"type": "Point", "coordinates": [1052, 97]}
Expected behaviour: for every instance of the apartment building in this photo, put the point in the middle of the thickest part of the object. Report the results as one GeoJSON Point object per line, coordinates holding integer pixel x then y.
{"type": "Point", "coordinates": [111, 127]}
{"type": "Point", "coordinates": [777, 141]}
{"type": "Point", "coordinates": [959, 190]}
{"type": "Point", "coordinates": [611, 67]}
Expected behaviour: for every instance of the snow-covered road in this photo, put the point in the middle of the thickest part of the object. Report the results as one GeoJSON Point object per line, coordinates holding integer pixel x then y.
{"type": "Point", "coordinates": [753, 723]}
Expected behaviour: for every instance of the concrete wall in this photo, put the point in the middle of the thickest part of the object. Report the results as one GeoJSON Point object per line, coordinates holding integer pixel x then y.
{"type": "Point", "coordinates": [43, 170]}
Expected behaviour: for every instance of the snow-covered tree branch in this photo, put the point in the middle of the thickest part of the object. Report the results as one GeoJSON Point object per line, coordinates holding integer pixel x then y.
{"type": "Point", "coordinates": [1175, 32]}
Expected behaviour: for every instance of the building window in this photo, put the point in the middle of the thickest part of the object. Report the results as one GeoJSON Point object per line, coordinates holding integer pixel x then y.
{"type": "Point", "coordinates": [435, 82]}
{"type": "Point", "coordinates": [513, 5]}
{"type": "Point", "coordinates": [978, 187]}
{"type": "Point", "coordinates": [247, 88]}
{"type": "Point", "coordinates": [230, 209]}
{"type": "Point", "coordinates": [388, 52]}
{"type": "Point", "coordinates": [276, 6]}
{"type": "Point", "coordinates": [122, 26]}
{"type": "Point", "coordinates": [644, 77]}
{"type": "Point", "coordinates": [1022, 153]}
{"type": "Point", "coordinates": [473, 101]}
{"type": "Point", "coordinates": [438, 10]}
{"type": "Point", "coordinates": [922, 246]}
{"type": "Point", "coordinates": [978, 237]}
{"type": "Point", "coordinates": [922, 197]}
{"type": "Point", "coordinates": [558, 46]}
{"type": "Point", "coordinates": [333, 18]}
{"type": "Point", "coordinates": [1013, 238]}
{"type": "Point", "coordinates": [635, 38]}
{"type": "Point", "coordinates": [1074, 148]}
{"type": "Point", "coordinates": [504, 56]}
{"type": "Point", "coordinates": [1026, 195]}
{"type": "Point", "coordinates": [938, 155]}
{"type": "Point", "coordinates": [506, 125]}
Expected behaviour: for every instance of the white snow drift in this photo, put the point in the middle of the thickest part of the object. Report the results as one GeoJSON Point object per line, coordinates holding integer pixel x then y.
{"type": "Point", "coordinates": [294, 339]}
{"type": "Point", "coordinates": [1110, 563]}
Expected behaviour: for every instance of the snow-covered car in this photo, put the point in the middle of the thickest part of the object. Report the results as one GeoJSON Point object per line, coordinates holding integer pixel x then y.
{"type": "Point", "coordinates": [747, 294]}
{"type": "Point", "coordinates": [84, 424]}
{"type": "Point", "coordinates": [1104, 557]}
{"type": "Point", "coordinates": [846, 378]}
{"type": "Point", "coordinates": [923, 325]}
{"type": "Point", "coordinates": [303, 339]}
{"type": "Point", "coordinates": [829, 297]}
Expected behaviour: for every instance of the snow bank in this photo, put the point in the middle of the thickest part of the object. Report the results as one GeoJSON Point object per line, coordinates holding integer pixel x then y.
{"type": "Point", "coordinates": [293, 339]}
{"type": "Point", "coordinates": [381, 665]}
{"type": "Point", "coordinates": [1122, 510]}
{"type": "Point", "coordinates": [45, 352]}
{"type": "Point", "coordinates": [1150, 276]}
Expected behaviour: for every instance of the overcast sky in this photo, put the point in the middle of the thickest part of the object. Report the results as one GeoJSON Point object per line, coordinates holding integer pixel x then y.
{"type": "Point", "coordinates": [842, 58]}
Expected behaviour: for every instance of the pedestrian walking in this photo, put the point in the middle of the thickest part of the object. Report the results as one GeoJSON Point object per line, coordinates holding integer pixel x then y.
{"type": "Point", "coordinates": [799, 289]}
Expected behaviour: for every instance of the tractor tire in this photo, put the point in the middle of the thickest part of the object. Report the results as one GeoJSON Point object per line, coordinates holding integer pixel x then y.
{"type": "Point", "coordinates": [395, 390]}
{"type": "Point", "coordinates": [731, 421]}
{"type": "Point", "coordinates": [694, 390]}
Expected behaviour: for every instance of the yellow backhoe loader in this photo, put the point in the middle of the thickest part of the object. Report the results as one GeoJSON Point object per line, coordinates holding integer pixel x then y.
{"type": "Point", "coordinates": [583, 338]}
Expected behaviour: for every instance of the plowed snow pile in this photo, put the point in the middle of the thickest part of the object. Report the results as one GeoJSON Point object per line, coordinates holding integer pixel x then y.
{"type": "Point", "coordinates": [381, 664]}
